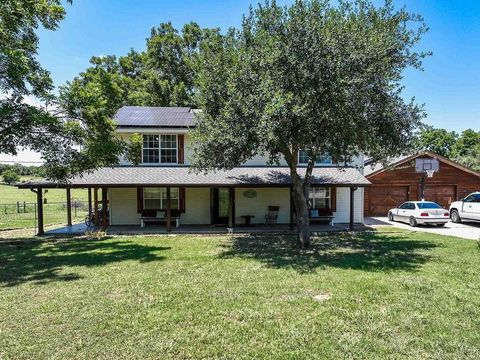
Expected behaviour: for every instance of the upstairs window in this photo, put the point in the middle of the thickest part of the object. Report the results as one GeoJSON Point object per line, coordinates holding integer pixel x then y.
{"type": "Point", "coordinates": [151, 148]}
{"type": "Point", "coordinates": [168, 149]}
{"type": "Point", "coordinates": [303, 158]}
{"type": "Point", "coordinates": [160, 149]}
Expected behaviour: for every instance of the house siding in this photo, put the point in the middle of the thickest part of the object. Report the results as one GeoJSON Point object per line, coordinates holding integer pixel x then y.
{"type": "Point", "coordinates": [257, 160]}
{"type": "Point", "coordinates": [258, 206]}
{"type": "Point", "coordinates": [342, 215]}
{"type": "Point", "coordinates": [123, 206]}
{"type": "Point", "coordinates": [197, 207]}
{"type": "Point", "coordinates": [197, 200]}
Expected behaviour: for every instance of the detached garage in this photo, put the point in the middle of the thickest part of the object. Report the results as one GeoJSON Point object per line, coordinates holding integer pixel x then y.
{"type": "Point", "coordinates": [404, 179]}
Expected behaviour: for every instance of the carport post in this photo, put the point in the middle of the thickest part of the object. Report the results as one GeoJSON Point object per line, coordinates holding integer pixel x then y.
{"type": "Point", "coordinates": [40, 211]}
{"type": "Point", "coordinates": [69, 208]}
{"type": "Point", "coordinates": [169, 211]}
{"type": "Point", "coordinates": [95, 206]}
{"type": "Point", "coordinates": [89, 201]}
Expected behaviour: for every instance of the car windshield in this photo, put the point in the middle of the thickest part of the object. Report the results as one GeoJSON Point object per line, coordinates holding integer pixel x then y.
{"type": "Point", "coordinates": [428, 205]}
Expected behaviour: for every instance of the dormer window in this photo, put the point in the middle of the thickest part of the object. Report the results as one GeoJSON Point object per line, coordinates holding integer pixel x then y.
{"type": "Point", "coordinates": [303, 158]}
{"type": "Point", "coordinates": [160, 149]}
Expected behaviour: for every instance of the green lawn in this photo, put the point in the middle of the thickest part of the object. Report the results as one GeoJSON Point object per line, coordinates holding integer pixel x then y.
{"type": "Point", "coordinates": [10, 194]}
{"type": "Point", "coordinates": [393, 294]}
{"type": "Point", "coordinates": [23, 216]}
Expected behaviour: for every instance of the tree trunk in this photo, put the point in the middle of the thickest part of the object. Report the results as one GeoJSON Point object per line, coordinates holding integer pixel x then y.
{"type": "Point", "coordinates": [300, 200]}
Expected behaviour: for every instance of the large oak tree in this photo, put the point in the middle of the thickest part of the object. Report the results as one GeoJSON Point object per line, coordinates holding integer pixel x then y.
{"type": "Point", "coordinates": [315, 76]}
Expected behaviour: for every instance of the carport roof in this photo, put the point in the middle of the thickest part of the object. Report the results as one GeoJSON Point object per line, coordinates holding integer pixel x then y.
{"type": "Point", "coordinates": [141, 176]}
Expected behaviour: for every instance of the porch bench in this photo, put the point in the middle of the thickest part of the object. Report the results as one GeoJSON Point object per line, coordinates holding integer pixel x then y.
{"type": "Point", "coordinates": [153, 217]}
{"type": "Point", "coordinates": [318, 215]}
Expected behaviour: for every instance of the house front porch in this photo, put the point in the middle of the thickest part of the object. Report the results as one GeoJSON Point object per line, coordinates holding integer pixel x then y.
{"type": "Point", "coordinates": [245, 199]}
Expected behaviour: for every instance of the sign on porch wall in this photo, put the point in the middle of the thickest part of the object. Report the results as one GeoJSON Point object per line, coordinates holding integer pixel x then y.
{"type": "Point", "coordinates": [250, 193]}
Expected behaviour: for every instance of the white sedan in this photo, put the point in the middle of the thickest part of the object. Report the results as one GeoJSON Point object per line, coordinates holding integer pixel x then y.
{"type": "Point", "coordinates": [420, 212]}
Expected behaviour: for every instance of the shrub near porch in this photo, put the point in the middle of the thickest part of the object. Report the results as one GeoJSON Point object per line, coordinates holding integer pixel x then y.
{"type": "Point", "coordinates": [386, 294]}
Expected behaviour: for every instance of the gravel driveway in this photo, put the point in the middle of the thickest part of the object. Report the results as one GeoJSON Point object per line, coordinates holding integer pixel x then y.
{"type": "Point", "coordinates": [463, 230]}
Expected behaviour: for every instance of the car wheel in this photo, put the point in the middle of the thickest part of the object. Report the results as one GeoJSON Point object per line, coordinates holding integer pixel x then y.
{"type": "Point", "coordinates": [455, 216]}
{"type": "Point", "coordinates": [412, 221]}
{"type": "Point", "coordinates": [390, 216]}
{"type": "Point", "coordinates": [440, 225]}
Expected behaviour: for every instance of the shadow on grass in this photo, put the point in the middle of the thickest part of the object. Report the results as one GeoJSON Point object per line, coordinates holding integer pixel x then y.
{"type": "Point", "coordinates": [41, 261]}
{"type": "Point", "coordinates": [364, 251]}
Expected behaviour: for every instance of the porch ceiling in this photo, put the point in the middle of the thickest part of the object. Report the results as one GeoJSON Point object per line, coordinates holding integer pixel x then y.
{"type": "Point", "coordinates": [130, 176]}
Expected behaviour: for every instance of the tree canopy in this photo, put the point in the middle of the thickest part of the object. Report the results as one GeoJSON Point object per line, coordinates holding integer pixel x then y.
{"type": "Point", "coordinates": [160, 76]}
{"type": "Point", "coordinates": [464, 147]}
{"type": "Point", "coordinates": [77, 132]}
{"type": "Point", "coordinates": [22, 75]}
{"type": "Point", "coordinates": [439, 141]}
{"type": "Point", "coordinates": [311, 76]}
{"type": "Point", "coordinates": [10, 176]}
{"type": "Point", "coordinates": [67, 144]}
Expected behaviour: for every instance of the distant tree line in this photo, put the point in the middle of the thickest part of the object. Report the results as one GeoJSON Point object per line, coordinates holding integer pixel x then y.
{"type": "Point", "coordinates": [463, 148]}
{"type": "Point", "coordinates": [22, 170]}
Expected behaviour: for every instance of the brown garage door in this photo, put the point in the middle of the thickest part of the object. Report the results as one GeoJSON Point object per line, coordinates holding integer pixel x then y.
{"type": "Point", "coordinates": [441, 194]}
{"type": "Point", "coordinates": [383, 198]}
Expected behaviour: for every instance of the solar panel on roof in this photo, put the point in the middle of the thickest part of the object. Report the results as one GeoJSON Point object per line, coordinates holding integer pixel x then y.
{"type": "Point", "coordinates": [155, 116]}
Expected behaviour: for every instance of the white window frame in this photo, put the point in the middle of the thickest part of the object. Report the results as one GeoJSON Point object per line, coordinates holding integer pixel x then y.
{"type": "Point", "coordinates": [150, 148]}
{"type": "Point", "coordinates": [162, 197]}
{"type": "Point", "coordinates": [160, 148]}
{"type": "Point", "coordinates": [169, 148]}
{"type": "Point", "coordinates": [318, 161]}
{"type": "Point", "coordinates": [314, 191]}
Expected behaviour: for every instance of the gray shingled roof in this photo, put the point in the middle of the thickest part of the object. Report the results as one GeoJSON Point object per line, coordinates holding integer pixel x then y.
{"type": "Point", "coordinates": [370, 168]}
{"type": "Point", "coordinates": [154, 116]}
{"type": "Point", "coordinates": [182, 176]}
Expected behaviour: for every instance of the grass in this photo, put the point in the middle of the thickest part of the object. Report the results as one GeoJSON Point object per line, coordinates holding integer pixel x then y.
{"type": "Point", "coordinates": [10, 194]}
{"type": "Point", "coordinates": [392, 295]}
{"type": "Point", "coordinates": [13, 217]}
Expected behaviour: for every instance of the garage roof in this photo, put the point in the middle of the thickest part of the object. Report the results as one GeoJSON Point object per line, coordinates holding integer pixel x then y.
{"type": "Point", "coordinates": [376, 168]}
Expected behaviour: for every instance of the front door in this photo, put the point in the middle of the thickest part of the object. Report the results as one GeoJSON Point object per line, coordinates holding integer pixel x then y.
{"type": "Point", "coordinates": [220, 206]}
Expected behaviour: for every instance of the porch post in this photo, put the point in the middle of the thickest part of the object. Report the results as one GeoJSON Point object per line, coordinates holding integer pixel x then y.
{"type": "Point", "coordinates": [231, 207]}
{"type": "Point", "coordinates": [292, 208]}
{"type": "Point", "coordinates": [169, 212]}
{"type": "Point", "coordinates": [40, 211]}
{"type": "Point", "coordinates": [352, 207]}
{"type": "Point", "coordinates": [69, 207]}
{"type": "Point", "coordinates": [95, 206]}
{"type": "Point", "coordinates": [104, 209]}
{"type": "Point", "coordinates": [89, 201]}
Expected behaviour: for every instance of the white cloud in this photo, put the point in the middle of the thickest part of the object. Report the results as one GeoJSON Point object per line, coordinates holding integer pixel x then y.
{"type": "Point", "coordinates": [25, 157]}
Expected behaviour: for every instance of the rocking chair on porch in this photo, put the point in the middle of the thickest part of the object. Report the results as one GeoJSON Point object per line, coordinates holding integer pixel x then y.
{"type": "Point", "coordinates": [272, 215]}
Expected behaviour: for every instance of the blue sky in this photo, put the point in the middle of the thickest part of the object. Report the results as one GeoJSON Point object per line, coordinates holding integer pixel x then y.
{"type": "Point", "coordinates": [449, 86]}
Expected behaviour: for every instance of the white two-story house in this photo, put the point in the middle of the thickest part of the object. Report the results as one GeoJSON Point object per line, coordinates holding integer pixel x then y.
{"type": "Point", "coordinates": [253, 193]}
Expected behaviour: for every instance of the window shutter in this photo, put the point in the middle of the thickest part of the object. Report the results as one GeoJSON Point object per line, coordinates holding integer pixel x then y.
{"type": "Point", "coordinates": [181, 194]}
{"type": "Point", "coordinates": [333, 198]}
{"type": "Point", "coordinates": [139, 200]}
{"type": "Point", "coordinates": [181, 148]}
